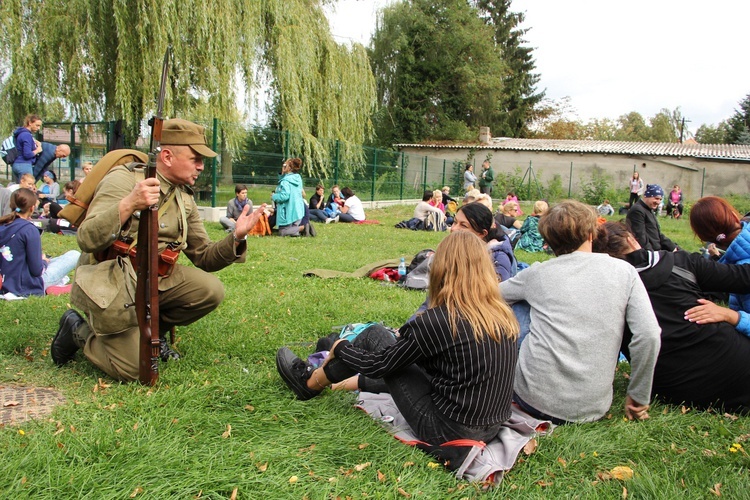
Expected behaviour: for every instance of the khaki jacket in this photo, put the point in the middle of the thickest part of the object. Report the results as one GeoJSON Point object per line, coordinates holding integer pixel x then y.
{"type": "Point", "coordinates": [101, 228]}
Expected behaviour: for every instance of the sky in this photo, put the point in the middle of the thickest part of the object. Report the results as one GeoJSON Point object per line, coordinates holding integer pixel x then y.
{"type": "Point", "coordinates": [612, 58]}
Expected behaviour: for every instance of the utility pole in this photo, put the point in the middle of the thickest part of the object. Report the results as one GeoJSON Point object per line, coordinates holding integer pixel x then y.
{"type": "Point", "coordinates": [682, 128]}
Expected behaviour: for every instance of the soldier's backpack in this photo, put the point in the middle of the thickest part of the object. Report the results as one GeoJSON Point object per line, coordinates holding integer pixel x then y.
{"type": "Point", "coordinates": [75, 211]}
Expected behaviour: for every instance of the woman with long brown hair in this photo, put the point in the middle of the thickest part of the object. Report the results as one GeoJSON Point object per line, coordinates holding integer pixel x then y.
{"type": "Point", "coordinates": [441, 398]}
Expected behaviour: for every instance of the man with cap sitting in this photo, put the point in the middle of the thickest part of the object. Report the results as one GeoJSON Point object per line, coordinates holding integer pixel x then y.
{"type": "Point", "coordinates": [643, 223]}
{"type": "Point", "coordinates": [105, 278]}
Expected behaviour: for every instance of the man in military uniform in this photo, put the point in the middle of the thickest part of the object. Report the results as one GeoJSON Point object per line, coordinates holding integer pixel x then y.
{"type": "Point", "coordinates": [105, 280]}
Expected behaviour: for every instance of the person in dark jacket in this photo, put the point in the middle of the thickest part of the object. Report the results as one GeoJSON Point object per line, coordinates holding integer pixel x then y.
{"type": "Point", "coordinates": [643, 224]}
{"type": "Point", "coordinates": [701, 363]}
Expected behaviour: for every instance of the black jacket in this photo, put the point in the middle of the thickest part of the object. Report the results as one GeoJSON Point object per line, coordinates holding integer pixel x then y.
{"type": "Point", "coordinates": [645, 227]}
{"type": "Point", "coordinates": [698, 364]}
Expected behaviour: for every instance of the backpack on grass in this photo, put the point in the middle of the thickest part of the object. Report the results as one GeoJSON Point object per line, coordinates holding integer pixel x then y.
{"type": "Point", "coordinates": [75, 211]}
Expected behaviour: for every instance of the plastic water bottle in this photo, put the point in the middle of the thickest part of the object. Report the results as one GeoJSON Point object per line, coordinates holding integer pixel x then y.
{"type": "Point", "coordinates": [402, 267]}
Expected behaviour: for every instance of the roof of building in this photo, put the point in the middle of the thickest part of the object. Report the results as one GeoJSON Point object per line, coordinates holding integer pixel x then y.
{"type": "Point", "coordinates": [686, 149]}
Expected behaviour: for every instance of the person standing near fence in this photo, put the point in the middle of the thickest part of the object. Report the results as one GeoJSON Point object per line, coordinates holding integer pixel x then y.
{"type": "Point", "coordinates": [636, 189]}
{"type": "Point", "coordinates": [487, 178]}
{"type": "Point", "coordinates": [470, 180]}
{"type": "Point", "coordinates": [27, 147]}
{"type": "Point", "coordinates": [50, 153]}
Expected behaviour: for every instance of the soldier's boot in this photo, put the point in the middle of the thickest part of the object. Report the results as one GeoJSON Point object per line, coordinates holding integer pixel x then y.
{"type": "Point", "coordinates": [71, 336]}
{"type": "Point", "coordinates": [165, 352]}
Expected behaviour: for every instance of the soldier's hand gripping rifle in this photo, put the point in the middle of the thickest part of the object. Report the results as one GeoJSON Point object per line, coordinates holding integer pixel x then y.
{"type": "Point", "coordinates": [147, 285]}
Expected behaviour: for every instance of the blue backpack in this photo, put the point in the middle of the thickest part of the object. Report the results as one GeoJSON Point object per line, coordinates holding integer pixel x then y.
{"type": "Point", "coordinates": [8, 151]}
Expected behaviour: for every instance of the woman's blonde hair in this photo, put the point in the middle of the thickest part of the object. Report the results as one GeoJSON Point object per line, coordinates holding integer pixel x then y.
{"type": "Point", "coordinates": [437, 195]}
{"type": "Point", "coordinates": [540, 207]}
{"type": "Point", "coordinates": [471, 195]}
{"type": "Point", "coordinates": [463, 279]}
{"type": "Point", "coordinates": [509, 205]}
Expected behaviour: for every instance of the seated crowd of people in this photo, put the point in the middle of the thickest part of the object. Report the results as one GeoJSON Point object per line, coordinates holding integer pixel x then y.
{"type": "Point", "coordinates": [551, 353]}
{"type": "Point", "coordinates": [537, 342]}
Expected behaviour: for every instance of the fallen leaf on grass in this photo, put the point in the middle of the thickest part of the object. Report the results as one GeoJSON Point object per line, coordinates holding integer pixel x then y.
{"type": "Point", "coordinates": [622, 473]}
{"type": "Point", "coordinates": [677, 450]}
{"type": "Point", "coordinates": [262, 467]}
{"type": "Point", "coordinates": [363, 446]}
{"type": "Point", "coordinates": [136, 492]}
{"type": "Point", "coordinates": [249, 407]}
{"type": "Point", "coordinates": [408, 464]}
{"type": "Point", "coordinates": [530, 447]}
{"type": "Point", "coordinates": [562, 462]}
{"type": "Point", "coordinates": [293, 479]}
{"type": "Point", "coordinates": [716, 489]}
{"type": "Point", "coordinates": [234, 494]}
{"type": "Point", "coordinates": [10, 403]}
{"type": "Point", "coordinates": [361, 467]}
{"type": "Point", "coordinates": [731, 417]}
{"type": "Point", "coordinates": [227, 433]}
{"type": "Point", "coordinates": [684, 409]}
{"type": "Point", "coordinates": [544, 484]}
{"type": "Point", "coordinates": [309, 448]}
{"type": "Point", "coordinates": [624, 493]}
{"type": "Point", "coordinates": [403, 493]}
{"type": "Point", "coordinates": [433, 465]}
{"type": "Point", "coordinates": [135, 426]}
{"type": "Point", "coordinates": [381, 477]}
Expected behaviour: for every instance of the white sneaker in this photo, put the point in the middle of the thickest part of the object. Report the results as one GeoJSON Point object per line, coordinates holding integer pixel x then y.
{"type": "Point", "coordinates": [329, 220]}
{"type": "Point", "coordinates": [336, 219]}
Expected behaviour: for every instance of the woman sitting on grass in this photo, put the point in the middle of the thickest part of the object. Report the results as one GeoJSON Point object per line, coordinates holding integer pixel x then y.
{"type": "Point", "coordinates": [477, 219]}
{"type": "Point", "coordinates": [531, 240]}
{"type": "Point", "coordinates": [703, 360]}
{"type": "Point", "coordinates": [714, 220]}
{"type": "Point", "coordinates": [25, 269]}
{"type": "Point", "coordinates": [440, 399]}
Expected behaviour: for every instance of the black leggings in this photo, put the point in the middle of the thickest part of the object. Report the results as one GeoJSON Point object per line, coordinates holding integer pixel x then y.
{"type": "Point", "coordinates": [634, 197]}
{"type": "Point", "coordinates": [411, 389]}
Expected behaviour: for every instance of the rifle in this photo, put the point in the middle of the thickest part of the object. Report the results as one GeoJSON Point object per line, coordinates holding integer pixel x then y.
{"type": "Point", "coordinates": [147, 284]}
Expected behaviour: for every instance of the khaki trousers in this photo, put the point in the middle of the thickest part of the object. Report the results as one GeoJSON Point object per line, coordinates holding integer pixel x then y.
{"type": "Point", "coordinates": [183, 304]}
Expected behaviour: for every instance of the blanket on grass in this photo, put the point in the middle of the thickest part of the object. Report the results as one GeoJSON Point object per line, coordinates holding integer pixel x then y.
{"type": "Point", "coordinates": [362, 272]}
{"type": "Point", "coordinates": [468, 459]}
{"type": "Point", "coordinates": [366, 221]}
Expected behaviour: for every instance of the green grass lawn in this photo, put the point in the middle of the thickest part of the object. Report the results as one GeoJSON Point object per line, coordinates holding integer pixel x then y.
{"type": "Point", "coordinates": [221, 419]}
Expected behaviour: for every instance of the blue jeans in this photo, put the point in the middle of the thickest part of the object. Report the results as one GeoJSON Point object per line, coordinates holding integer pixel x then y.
{"type": "Point", "coordinates": [411, 389]}
{"type": "Point", "coordinates": [346, 217]}
{"type": "Point", "coordinates": [522, 310]}
{"type": "Point", "coordinates": [318, 215]}
{"type": "Point", "coordinates": [20, 168]}
{"type": "Point", "coordinates": [59, 267]}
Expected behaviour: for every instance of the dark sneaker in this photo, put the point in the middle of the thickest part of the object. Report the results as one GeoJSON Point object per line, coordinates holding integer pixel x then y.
{"type": "Point", "coordinates": [165, 352]}
{"type": "Point", "coordinates": [64, 345]}
{"type": "Point", "coordinates": [295, 373]}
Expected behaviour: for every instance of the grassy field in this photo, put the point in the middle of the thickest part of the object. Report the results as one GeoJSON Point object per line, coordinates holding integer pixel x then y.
{"type": "Point", "coordinates": [221, 424]}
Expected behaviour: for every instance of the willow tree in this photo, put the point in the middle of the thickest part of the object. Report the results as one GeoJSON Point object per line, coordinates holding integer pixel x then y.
{"type": "Point", "coordinates": [103, 59]}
